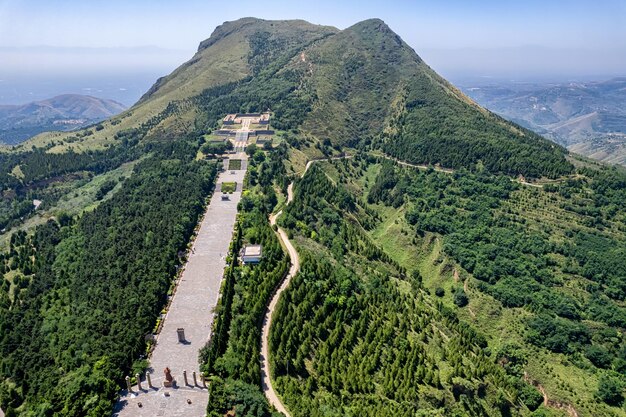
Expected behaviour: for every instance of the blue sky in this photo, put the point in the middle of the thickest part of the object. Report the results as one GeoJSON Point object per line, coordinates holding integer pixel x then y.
{"type": "Point", "coordinates": [517, 39]}
{"type": "Point", "coordinates": [424, 24]}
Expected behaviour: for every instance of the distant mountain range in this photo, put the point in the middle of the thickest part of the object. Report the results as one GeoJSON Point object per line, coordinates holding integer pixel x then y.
{"type": "Point", "coordinates": [587, 117]}
{"type": "Point", "coordinates": [64, 112]}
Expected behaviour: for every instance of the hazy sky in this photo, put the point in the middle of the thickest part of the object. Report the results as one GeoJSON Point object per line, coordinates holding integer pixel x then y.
{"type": "Point", "coordinates": [424, 24]}
{"type": "Point", "coordinates": [456, 37]}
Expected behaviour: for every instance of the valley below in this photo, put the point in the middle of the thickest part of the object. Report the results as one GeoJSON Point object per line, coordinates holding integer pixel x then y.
{"type": "Point", "coordinates": [586, 117]}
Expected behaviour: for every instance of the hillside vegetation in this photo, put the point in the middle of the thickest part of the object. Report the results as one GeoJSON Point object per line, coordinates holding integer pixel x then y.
{"type": "Point", "coordinates": [421, 292]}
{"type": "Point", "coordinates": [367, 80]}
{"type": "Point", "coordinates": [338, 88]}
{"type": "Point", "coordinates": [69, 326]}
{"type": "Point", "coordinates": [358, 335]}
{"type": "Point", "coordinates": [537, 272]}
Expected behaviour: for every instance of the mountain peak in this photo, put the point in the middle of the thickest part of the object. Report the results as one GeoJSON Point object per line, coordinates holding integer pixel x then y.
{"type": "Point", "coordinates": [372, 24]}
{"type": "Point", "coordinates": [226, 29]}
{"type": "Point", "coordinates": [253, 24]}
{"type": "Point", "coordinates": [376, 32]}
{"type": "Point", "coordinates": [361, 82]}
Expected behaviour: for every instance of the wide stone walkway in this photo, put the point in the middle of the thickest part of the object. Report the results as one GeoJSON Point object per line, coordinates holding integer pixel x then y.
{"type": "Point", "coordinates": [192, 309]}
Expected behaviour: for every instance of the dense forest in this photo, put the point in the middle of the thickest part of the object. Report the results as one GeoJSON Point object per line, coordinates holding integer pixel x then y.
{"type": "Point", "coordinates": [70, 328]}
{"type": "Point", "coordinates": [358, 335]}
{"type": "Point", "coordinates": [551, 256]}
{"type": "Point", "coordinates": [37, 174]}
{"type": "Point", "coordinates": [520, 265]}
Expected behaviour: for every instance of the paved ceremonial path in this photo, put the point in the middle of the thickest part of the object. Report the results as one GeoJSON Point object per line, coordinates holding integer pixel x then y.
{"type": "Point", "coordinates": [192, 309]}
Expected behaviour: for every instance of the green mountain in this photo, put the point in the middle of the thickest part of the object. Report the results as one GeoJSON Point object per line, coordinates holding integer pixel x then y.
{"type": "Point", "coordinates": [359, 81]}
{"type": "Point", "coordinates": [434, 280]}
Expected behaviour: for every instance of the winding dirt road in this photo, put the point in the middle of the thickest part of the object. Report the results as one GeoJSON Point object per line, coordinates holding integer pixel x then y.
{"type": "Point", "coordinates": [449, 170]}
{"type": "Point", "coordinates": [266, 380]}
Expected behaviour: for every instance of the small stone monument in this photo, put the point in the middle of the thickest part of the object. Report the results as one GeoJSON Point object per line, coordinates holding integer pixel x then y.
{"type": "Point", "coordinates": [169, 381]}
{"type": "Point", "coordinates": [181, 335]}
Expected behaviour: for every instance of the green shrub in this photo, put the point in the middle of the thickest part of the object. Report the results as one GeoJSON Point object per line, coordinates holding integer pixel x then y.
{"type": "Point", "coordinates": [460, 298]}
{"type": "Point", "coordinates": [610, 390]}
{"type": "Point", "coordinates": [599, 356]}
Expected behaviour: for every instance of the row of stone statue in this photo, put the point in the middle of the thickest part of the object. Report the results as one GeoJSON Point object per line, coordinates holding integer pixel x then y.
{"type": "Point", "coordinates": [168, 382]}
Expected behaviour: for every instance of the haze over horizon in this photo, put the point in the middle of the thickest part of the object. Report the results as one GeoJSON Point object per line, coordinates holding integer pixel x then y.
{"type": "Point", "coordinates": [42, 43]}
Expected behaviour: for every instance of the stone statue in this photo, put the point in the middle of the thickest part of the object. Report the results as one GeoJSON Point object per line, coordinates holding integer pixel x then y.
{"type": "Point", "coordinates": [169, 381]}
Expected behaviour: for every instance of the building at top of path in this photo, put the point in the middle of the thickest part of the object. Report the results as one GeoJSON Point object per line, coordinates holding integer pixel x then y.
{"type": "Point", "coordinates": [237, 118]}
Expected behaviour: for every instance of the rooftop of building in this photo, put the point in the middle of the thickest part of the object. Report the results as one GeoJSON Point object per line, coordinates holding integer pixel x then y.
{"type": "Point", "coordinates": [252, 250]}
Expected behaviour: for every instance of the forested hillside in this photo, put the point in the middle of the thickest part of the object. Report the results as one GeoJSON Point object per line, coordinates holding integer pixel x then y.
{"type": "Point", "coordinates": [435, 128]}
{"type": "Point", "coordinates": [537, 273]}
{"type": "Point", "coordinates": [36, 174]}
{"type": "Point", "coordinates": [463, 291]}
{"type": "Point", "coordinates": [358, 335]}
{"type": "Point", "coordinates": [84, 293]}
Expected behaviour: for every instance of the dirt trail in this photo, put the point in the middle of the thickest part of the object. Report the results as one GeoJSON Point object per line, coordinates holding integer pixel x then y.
{"type": "Point", "coordinates": [266, 380]}
{"type": "Point", "coordinates": [568, 408]}
{"type": "Point", "coordinates": [450, 171]}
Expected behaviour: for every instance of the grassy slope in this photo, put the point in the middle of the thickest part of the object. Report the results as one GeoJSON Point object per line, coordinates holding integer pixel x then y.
{"type": "Point", "coordinates": [360, 79]}
{"type": "Point", "coordinates": [368, 81]}
{"type": "Point", "coordinates": [354, 74]}
{"type": "Point", "coordinates": [223, 58]}
{"type": "Point", "coordinates": [563, 381]}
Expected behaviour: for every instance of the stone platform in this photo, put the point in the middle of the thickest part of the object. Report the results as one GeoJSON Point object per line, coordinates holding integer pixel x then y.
{"type": "Point", "coordinates": [192, 308]}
